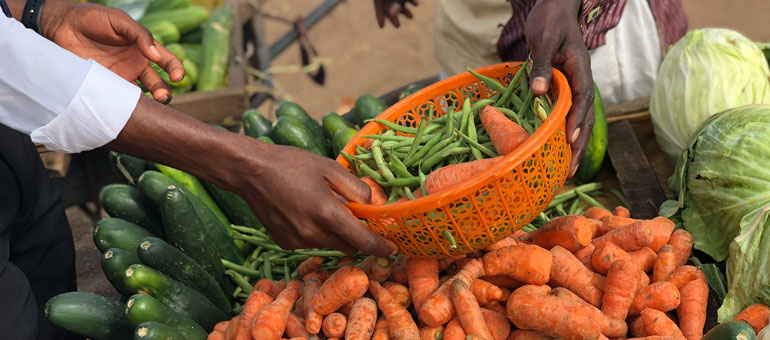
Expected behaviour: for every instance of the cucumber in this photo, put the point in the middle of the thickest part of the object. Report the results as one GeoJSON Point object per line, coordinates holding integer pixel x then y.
{"type": "Point", "coordinates": [266, 139]}
{"type": "Point", "coordinates": [255, 124]}
{"type": "Point", "coordinates": [118, 233]}
{"type": "Point", "coordinates": [176, 49]}
{"type": "Point", "coordinates": [193, 37]}
{"type": "Point", "coordinates": [171, 261]}
{"type": "Point", "coordinates": [142, 308]}
{"type": "Point", "coordinates": [126, 202]}
{"type": "Point", "coordinates": [165, 5]}
{"type": "Point", "coordinates": [128, 168]}
{"type": "Point", "coordinates": [289, 131]}
{"type": "Point", "coordinates": [185, 19]}
{"type": "Point", "coordinates": [179, 297]}
{"type": "Point", "coordinates": [293, 110]}
{"type": "Point", "coordinates": [216, 49]}
{"type": "Point", "coordinates": [154, 184]}
{"type": "Point", "coordinates": [341, 138]}
{"type": "Point", "coordinates": [367, 107]}
{"type": "Point", "coordinates": [89, 315]}
{"type": "Point", "coordinates": [192, 185]}
{"type": "Point", "coordinates": [164, 31]}
{"type": "Point", "coordinates": [156, 331]}
{"type": "Point", "coordinates": [221, 234]}
{"type": "Point", "coordinates": [190, 70]}
{"type": "Point", "coordinates": [409, 91]}
{"type": "Point", "coordinates": [731, 330]}
{"type": "Point", "coordinates": [115, 261]}
{"type": "Point", "coordinates": [234, 206]}
{"type": "Point", "coordinates": [193, 53]}
{"type": "Point", "coordinates": [591, 164]}
{"type": "Point", "coordinates": [333, 122]}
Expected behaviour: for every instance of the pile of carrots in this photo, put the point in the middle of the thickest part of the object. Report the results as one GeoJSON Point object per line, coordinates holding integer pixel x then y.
{"type": "Point", "coordinates": [600, 275]}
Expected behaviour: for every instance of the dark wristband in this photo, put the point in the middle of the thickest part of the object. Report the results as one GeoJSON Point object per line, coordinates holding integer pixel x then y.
{"type": "Point", "coordinates": [30, 18]}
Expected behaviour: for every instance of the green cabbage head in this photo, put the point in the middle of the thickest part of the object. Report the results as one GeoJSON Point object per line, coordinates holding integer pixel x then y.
{"type": "Point", "coordinates": [707, 71]}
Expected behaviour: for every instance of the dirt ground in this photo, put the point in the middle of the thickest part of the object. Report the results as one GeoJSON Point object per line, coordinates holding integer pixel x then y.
{"type": "Point", "coordinates": [361, 58]}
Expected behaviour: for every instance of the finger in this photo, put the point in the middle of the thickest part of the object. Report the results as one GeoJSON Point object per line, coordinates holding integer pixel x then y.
{"type": "Point", "coordinates": [406, 12]}
{"type": "Point", "coordinates": [359, 235]}
{"type": "Point", "coordinates": [346, 184]}
{"type": "Point", "coordinates": [414, 2]}
{"type": "Point", "coordinates": [169, 62]}
{"type": "Point", "coordinates": [126, 27]}
{"type": "Point", "coordinates": [151, 80]}
{"type": "Point", "coordinates": [393, 11]}
{"type": "Point", "coordinates": [543, 48]}
{"type": "Point", "coordinates": [580, 119]}
{"type": "Point", "coordinates": [379, 11]}
{"type": "Point", "coordinates": [580, 145]}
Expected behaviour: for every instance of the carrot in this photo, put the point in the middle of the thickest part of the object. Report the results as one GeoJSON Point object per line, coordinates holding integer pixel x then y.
{"type": "Point", "coordinates": [468, 310]}
{"type": "Point", "coordinates": [295, 328]}
{"type": "Point", "coordinates": [655, 337]}
{"type": "Point", "coordinates": [221, 326]}
{"type": "Point", "coordinates": [505, 296]}
{"type": "Point", "coordinates": [454, 331]}
{"type": "Point", "coordinates": [605, 254]}
{"type": "Point", "coordinates": [445, 263]}
{"type": "Point", "coordinates": [438, 309]}
{"type": "Point", "coordinates": [268, 287]}
{"type": "Point", "coordinates": [584, 255]}
{"type": "Point", "coordinates": [399, 292]}
{"type": "Point", "coordinates": [379, 197]}
{"type": "Point", "coordinates": [629, 238]}
{"type": "Point", "coordinates": [381, 331]}
{"type": "Point", "coordinates": [253, 304]}
{"type": "Point", "coordinates": [377, 268]}
{"type": "Point", "coordinates": [657, 323]}
{"type": "Point", "coordinates": [432, 333]}
{"type": "Point", "coordinates": [362, 320]}
{"type": "Point", "coordinates": [636, 326]}
{"type": "Point", "coordinates": [401, 326]}
{"type": "Point", "coordinates": [299, 308]}
{"type": "Point", "coordinates": [216, 335]}
{"type": "Point", "coordinates": [554, 316]}
{"type": "Point", "coordinates": [526, 263]}
{"type": "Point", "coordinates": [599, 281]}
{"type": "Point", "coordinates": [508, 241]}
{"type": "Point", "coordinates": [310, 265]}
{"type": "Point", "coordinates": [531, 290]}
{"type": "Point", "coordinates": [506, 135]}
{"type": "Point", "coordinates": [622, 284]}
{"type": "Point", "coordinates": [569, 273]}
{"type": "Point", "coordinates": [596, 213]}
{"type": "Point", "coordinates": [610, 326]}
{"type": "Point", "coordinates": [503, 281]}
{"type": "Point", "coordinates": [443, 279]}
{"type": "Point", "coordinates": [495, 306]}
{"type": "Point", "coordinates": [270, 321]}
{"type": "Point", "coordinates": [692, 309]}
{"type": "Point", "coordinates": [572, 232]}
{"type": "Point", "coordinates": [756, 315]}
{"type": "Point", "coordinates": [399, 270]}
{"type": "Point", "coordinates": [612, 222]}
{"type": "Point", "coordinates": [320, 276]}
{"type": "Point", "coordinates": [644, 258]}
{"type": "Point", "coordinates": [665, 264]}
{"type": "Point", "coordinates": [473, 337]}
{"type": "Point", "coordinates": [497, 324]}
{"type": "Point", "coordinates": [661, 230]}
{"type": "Point", "coordinates": [622, 211]}
{"type": "Point", "coordinates": [345, 285]}
{"type": "Point", "coordinates": [455, 266]}
{"type": "Point", "coordinates": [485, 292]}
{"type": "Point", "coordinates": [662, 296]}
{"type": "Point", "coordinates": [304, 338]}
{"type": "Point", "coordinates": [452, 175]}
{"type": "Point", "coordinates": [334, 325]}
{"type": "Point", "coordinates": [422, 275]}
{"type": "Point", "coordinates": [346, 308]}
{"type": "Point", "coordinates": [682, 242]}
{"type": "Point", "coordinates": [233, 327]}
{"type": "Point", "coordinates": [313, 320]}
{"type": "Point", "coordinates": [683, 275]}
{"type": "Point", "coordinates": [528, 335]}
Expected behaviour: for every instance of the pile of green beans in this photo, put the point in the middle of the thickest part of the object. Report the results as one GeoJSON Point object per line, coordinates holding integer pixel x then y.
{"type": "Point", "coordinates": [400, 157]}
{"type": "Point", "coordinates": [573, 202]}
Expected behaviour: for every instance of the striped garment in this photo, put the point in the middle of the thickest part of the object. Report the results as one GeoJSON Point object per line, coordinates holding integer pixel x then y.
{"type": "Point", "coordinates": [597, 17]}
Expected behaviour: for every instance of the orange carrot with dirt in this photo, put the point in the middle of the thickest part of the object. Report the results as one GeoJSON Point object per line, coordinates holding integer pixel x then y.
{"type": "Point", "coordinates": [346, 308]}
{"type": "Point", "coordinates": [320, 276]}
{"type": "Point", "coordinates": [508, 241]}
{"type": "Point", "coordinates": [526, 263]}
{"type": "Point", "coordinates": [569, 273]}
{"type": "Point", "coordinates": [313, 320]}
{"type": "Point", "coordinates": [532, 290]}
{"type": "Point", "coordinates": [682, 242]}
{"type": "Point", "coordinates": [233, 327]}
{"type": "Point", "coordinates": [657, 323]}
{"type": "Point", "coordinates": [683, 275]}
{"type": "Point", "coordinates": [636, 326]}
{"type": "Point", "coordinates": [665, 264]}
{"type": "Point", "coordinates": [268, 287]}
{"type": "Point", "coordinates": [485, 292]}
{"type": "Point", "coordinates": [295, 328]}
{"type": "Point", "coordinates": [401, 326]}
{"type": "Point", "coordinates": [622, 284]}
{"type": "Point", "coordinates": [399, 270]}
{"type": "Point", "coordinates": [454, 330]}
{"type": "Point", "coordinates": [432, 333]}
{"type": "Point", "coordinates": [377, 268]}
{"type": "Point", "coordinates": [655, 337]}
{"type": "Point", "coordinates": [661, 230]}
{"type": "Point", "coordinates": [503, 281]}
{"type": "Point", "coordinates": [422, 275]}
{"type": "Point", "coordinates": [495, 306]}
{"type": "Point", "coordinates": [497, 323]}
{"type": "Point", "coordinates": [605, 254]}
{"type": "Point", "coordinates": [438, 309]}
{"type": "Point", "coordinates": [662, 296]}
{"type": "Point", "coordinates": [361, 323]}
{"type": "Point", "coordinates": [622, 211]}
{"type": "Point", "coordinates": [221, 326]}
{"type": "Point", "coordinates": [612, 222]}
{"type": "Point", "coordinates": [572, 232]}
{"type": "Point", "coordinates": [506, 135]}
{"type": "Point", "coordinates": [445, 263]}
{"type": "Point", "coordinates": [399, 292]}
{"type": "Point", "coordinates": [584, 255]}
{"type": "Point", "coordinates": [256, 300]}
{"type": "Point", "coordinates": [381, 331]}
{"type": "Point", "coordinates": [310, 265]}
{"type": "Point", "coordinates": [379, 197]}
{"type": "Point", "coordinates": [644, 258]}
{"type": "Point", "coordinates": [596, 213]}
{"type": "Point", "coordinates": [599, 281]}
{"type": "Point", "coordinates": [468, 310]}
{"type": "Point", "coordinates": [270, 321]}
{"type": "Point", "coordinates": [610, 326]}
{"type": "Point", "coordinates": [553, 316]}
{"type": "Point", "coordinates": [756, 315]}
{"type": "Point", "coordinates": [346, 284]}
{"type": "Point", "coordinates": [453, 175]}
{"type": "Point", "coordinates": [692, 308]}
{"type": "Point", "coordinates": [334, 325]}
{"type": "Point", "coordinates": [629, 238]}
{"type": "Point", "coordinates": [216, 335]}
{"type": "Point", "coordinates": [528, 335]}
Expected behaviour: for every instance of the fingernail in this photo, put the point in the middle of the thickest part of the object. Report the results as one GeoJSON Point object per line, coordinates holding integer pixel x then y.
{"type": "Point", "coordinates": [392, 246]}
{"type": "Point", "coordinates": [539, 84]}
{"type": "Point", "coordinates": [574, 170]}
{"type": "Point", "coordinates": [575, 135]}
{"type": "Point", "coordinates": [163, 99]}
{"type": "Point", "coordinates": [154, 51]}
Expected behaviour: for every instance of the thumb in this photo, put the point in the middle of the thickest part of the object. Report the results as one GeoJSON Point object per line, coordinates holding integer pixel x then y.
{"type": "Point", "coordinates": [542, 59]}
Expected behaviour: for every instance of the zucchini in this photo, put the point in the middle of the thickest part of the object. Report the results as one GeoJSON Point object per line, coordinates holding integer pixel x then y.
{"type": "Point", "coordinates": [341, 138]}
{"type": "Point", "coordinates": [289, 131]}
{"type": "Point", "coordinates": [142, 308]}
{"type": "Point", "coordinates": [164, 31]}
{"type": "Point", "coordinates": [731, 330]}
{"type": "Point", "coordinates": [234, 206]}
{"type": "Point", "coordinates": [185, 19]}
{"type": "Point", "coordinates": [154, 184]}
{"type": "Point", "coordinates": [216, 49]}
{"type": "Point", "coordinates": [179, 297]}
{"type": "Point", "coordinates": [89, 315]}
{"type": "Point", "coordinates": [293, 110]}
{"type": "Point", "coordinates": [192, 185]}
{"type": "Point", "coordinates": [255, 124]}
{"type": "Point", "coordinates": [128, 168]}
{"type": "Point", "coordinates": [156, 331]}
{"type": "Point", "coordinates": [266, 139]}
{"type": "Point", "coordinates": [115, 261]}
{"type": "Point", "coordinates": [333, 122]}
{"type": "Point", "coordinates": [367, 107]}
{"type": "Point", "coordinates": [193, 53]}
{"type": "Point", "coordinates": [165, 5]}
{"type": "Point", "coordinates": [118, 233]}
{"type": "Point", "coordinates": [162, 256]}
{"type": "Point", "coordinates": [126, 202]}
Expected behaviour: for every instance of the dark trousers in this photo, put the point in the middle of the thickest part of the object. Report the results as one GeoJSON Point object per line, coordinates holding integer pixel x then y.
{"type": "Point", "coordinates": [37, 254]}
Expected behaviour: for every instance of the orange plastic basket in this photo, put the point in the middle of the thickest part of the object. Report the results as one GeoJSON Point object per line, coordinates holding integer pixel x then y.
{"type": "Point", "coordinates": [492, 205]}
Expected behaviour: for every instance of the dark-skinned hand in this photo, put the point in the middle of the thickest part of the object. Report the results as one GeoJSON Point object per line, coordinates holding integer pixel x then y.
{"type": "Point", "coordinates": [391, 9]}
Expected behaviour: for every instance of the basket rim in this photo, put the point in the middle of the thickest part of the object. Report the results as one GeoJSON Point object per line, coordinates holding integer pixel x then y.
{"type": "Point", "coordinates": [510, 161]}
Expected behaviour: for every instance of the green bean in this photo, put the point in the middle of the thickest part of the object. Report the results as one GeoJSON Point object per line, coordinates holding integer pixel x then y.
{"type": "Point", "coordinates": [423, 151]}
{"type": "Point", "coordinates": [620, 197]}
{"type": "Point", "coordinates": [401, 182]}
{"type": "Point", "coordinates": [450, 238]}
{"type": "Point", "coordinates": [482, 137]}
{"type": "Point", "coordinates": [421, 176]}
{"type": "Point", "coordinates": [571, 194]}
{"type": "Point", "coordinates": [253, 239]}
{"type": "Point", "coordinates": [429, 162]}
{"type": "Point", "coordinates": [528, 228]}
{"type": "Point", "coordinates": [574, 206]}
{"type": "Point", "coordinates": [396, 127]}
{"type": "Point", "coordinates": [380, 161]}
{"type": "Point", "coordinates": [511, 86]}
{"type": "Point", "coordinates": [267, 272]}
{"type": "Point", "coordinates": [363, 157]}
{"type": "Point", "coordinates": [371, 173]}
{"type": "Point", "coordinates": [408, 193]}
{"type": "Point", "coordinates": [481, 103]}
{"type": "Point", "coordinates": [448, 127]}
{"type": "Point", "coordinates": [417, 140]}
{"type": "Point", "coordinates": [526, 106]}
{"type": "Point", "coordinates": [322, 253]}
{"type": "Point", "coordinates": [360, 150]}
{"type": "Point", "coordinates": [395, 195]}
{"type": "Point", "coordinates": [239, 268]}
{"type": "Point", "coordinates": [476, 145]}
{"type": "Point", "coordinates": [560, 210]}
{"type": "Point", "coordinates": [388, 138]}
{"type": "Point", "coordinates": [466, 114]}
{"type": "Point", "coordinates": [524, 79]}
{"type": "Point", "coordinates": [494, 84]}
{"type": "Point", "coordinates": [286, 273]}
{"type": "Point", "coordinates": [240, 281]}
{"type": "Point", "coordinates": [517, 103]}
{"type": "Point", "coordinates": [590, 200]}
{"type": "Point", "coordinates": [247, 230]}
{"type": "Point", "coordinates": [399, 168]}
{"type": "Point", "coordinates": [510, 114]}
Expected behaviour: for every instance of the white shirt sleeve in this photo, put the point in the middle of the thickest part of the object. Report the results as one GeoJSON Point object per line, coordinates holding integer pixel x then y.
{"type": "Point", "coordinates": [62, 101]}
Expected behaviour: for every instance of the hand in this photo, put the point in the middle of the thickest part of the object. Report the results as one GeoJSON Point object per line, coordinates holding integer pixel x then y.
{"type": "Point", "coordinates": [391, 9]}
{"type": "Point", "coordinates": [114, 40]}
{"type": "Point", "coordinates": [554, 38]}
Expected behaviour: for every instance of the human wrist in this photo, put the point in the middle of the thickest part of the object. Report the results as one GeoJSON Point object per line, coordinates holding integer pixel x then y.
{"type": "Point", "coordinates": [54, 12]}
